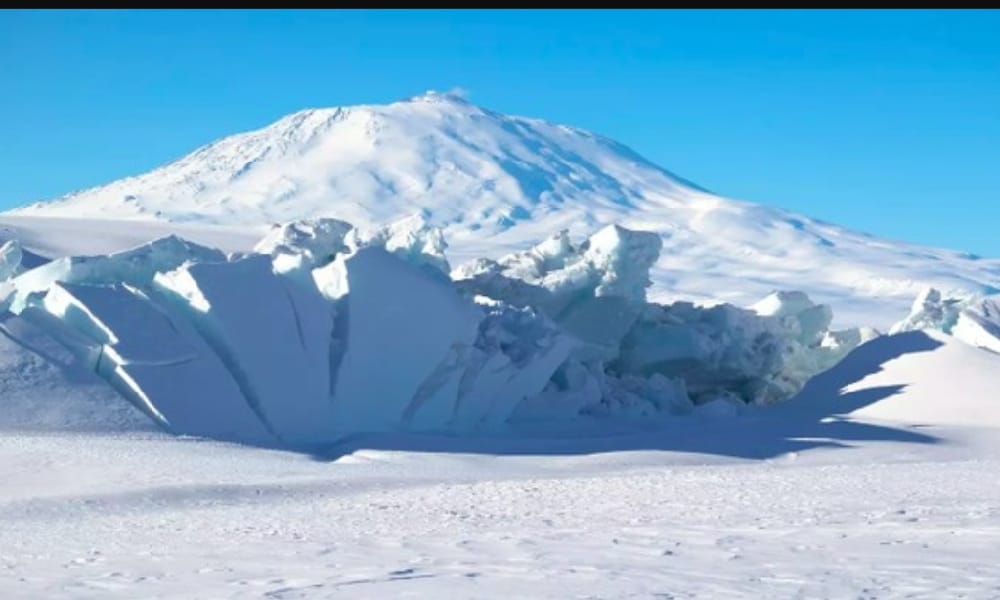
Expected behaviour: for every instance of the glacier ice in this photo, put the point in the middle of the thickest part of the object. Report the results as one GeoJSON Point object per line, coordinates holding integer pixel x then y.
{"type": "Point", "coordinates": [272, 336]}
{"type": "Point", "coordinates": [135, 267]}
{"type": "Point", "coordinates": [10, 259]}
{"type": "Point", "coordinates": [149, 356]}
{"type": "Point", "coordinates": [973, 319]}
{"type": "Point", "coordinates": [613, 262]}
{"type": "Point", "coordinates": [516, 353]}
{"type": "Point", "coordinates": [303, 245]}
{"type": "Point", "coordinates": [412, 239]}
{"type": "Point", "coordinates": [725, 349]}
{"type": "Point", "coordinates": [595, 292]}
{"type": "Point", "coordinates": [401, 324]}
{"type": "Point", "coordinates": [327, 330]}
{"type": "Point", "coordinates": [44, 388]}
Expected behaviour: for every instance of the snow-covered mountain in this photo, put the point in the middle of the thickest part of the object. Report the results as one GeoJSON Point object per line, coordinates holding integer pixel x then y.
{"type": "Point", "coordinates": [499, 183]}
{"type": "Point", "coordinates": [529, 425]}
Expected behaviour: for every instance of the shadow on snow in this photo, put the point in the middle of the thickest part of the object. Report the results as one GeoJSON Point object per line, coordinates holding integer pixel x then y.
{"type": "Point", "coordinates": [812, 419]}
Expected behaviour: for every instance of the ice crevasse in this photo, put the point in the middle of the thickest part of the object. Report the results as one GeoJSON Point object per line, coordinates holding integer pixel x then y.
{"type": "Point", "coordinates": [327, 330]}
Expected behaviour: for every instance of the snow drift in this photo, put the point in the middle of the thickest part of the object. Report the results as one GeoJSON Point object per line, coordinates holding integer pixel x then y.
{"type": "Point", "coordinates": [327, 329]}
{"type": "Point", "coordinates": [914, 377]}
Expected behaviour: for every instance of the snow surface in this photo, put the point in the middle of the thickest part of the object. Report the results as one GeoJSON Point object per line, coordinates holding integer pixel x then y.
{"type": "Point", "coordinates": [784, 502]}
{"type": "Point", "coordinates": [498, 184]}
{"type": "Point", "coordinates": [922, 377]}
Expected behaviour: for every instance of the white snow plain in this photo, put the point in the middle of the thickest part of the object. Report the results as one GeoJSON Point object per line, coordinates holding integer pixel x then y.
{"type": "Point", "coordinates": [498, 184]}
{"type": "Point", "coordinates": [876, 481]}
{"type": "Point", "coordinates": [819, 503]}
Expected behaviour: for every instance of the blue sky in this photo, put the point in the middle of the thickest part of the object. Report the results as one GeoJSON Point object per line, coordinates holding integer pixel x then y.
{"type": "Point", "coordinates": [884, 121]}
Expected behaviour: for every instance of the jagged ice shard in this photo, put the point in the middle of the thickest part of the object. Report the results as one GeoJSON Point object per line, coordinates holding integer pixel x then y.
{"type": "Point", "coordinates": [328, 330]}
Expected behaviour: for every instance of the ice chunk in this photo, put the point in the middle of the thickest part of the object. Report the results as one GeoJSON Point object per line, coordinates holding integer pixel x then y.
{"type": "Point", "coordinates": [10, 259]}
{"type": "Point", "coordinates": [659, 393]}
{"type": "Point", "coordinates": [529, 266]}
{"type": "Point", "coordinates": [601, 322]}
{"type": "Point", "coordinates": [10, 265]}
{"type": "Point", "coordinates": [480, 386]}
{"type": "Point", "coordinates": [572, 389]}
{"type": "Point", "coordinates": [721, 348]}
{"type": "Point", "coordinates": [623, 258]}
{"type": "Point", "coordinates": [304, 245]}
{"type": "Point", "coordinates": [613, 262]}
{"type": "Point", "coordinates": [43, 388]}
{"type": "Point", "coordinates": [135, 267]}
{"type": "Point", "coordinates": [762, 355]}
{"type": "Point", "coordinates": [930, 311]}
{"type": "Point", "coordinates": [381, 339]}
{"type": "Point", "coordinates": [783, 304]}
{"type": "Point", "coordinates": [974, 320]}
{"type": "Point", "coordinates": [515, 355]}
{"type": "Point", "coordinates": [401, 324]}
{"type": "Point", "coordinates": [811, 347]}
{"type": "Point", "coordinates": [413, 239]}
{"type": "Point", "coordinates": [807, 321]}
{"type": "Point", "coordinates": [723, 407]}
{"type": "Point", "coordinates": [595, 291]}
{"type": "Point", "coordinates": [272, 335]}
{"type": "Point", "coordinates": [979, 326]}
{"type": "Point", "coordinates": [150, 357]}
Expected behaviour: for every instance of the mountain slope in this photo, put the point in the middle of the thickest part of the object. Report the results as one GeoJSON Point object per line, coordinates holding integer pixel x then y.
{"type": "Point", "coordinates": [497, 183]}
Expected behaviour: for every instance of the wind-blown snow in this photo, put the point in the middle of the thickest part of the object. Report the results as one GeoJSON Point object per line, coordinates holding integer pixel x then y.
{"type": "Point", "coordinates": [497, 184]}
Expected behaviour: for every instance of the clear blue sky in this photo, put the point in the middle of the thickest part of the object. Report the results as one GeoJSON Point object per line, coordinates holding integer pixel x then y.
{"type": "Point", "coordinates": [885, 121]}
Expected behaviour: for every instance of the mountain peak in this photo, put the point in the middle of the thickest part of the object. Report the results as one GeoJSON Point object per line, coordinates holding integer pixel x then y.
{"type": "Point", "coordinates": [435, 152]}
{"type": "Point", "coordinates": [497, 183]}
{"type": "Point", "coordinates": [453, 96]}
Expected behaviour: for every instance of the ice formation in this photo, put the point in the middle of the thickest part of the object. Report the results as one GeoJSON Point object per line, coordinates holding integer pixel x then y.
{"type": "Point", "coordinates": [597, 294]}
{"type": "Point", "coordinates": [43, 387]}
{"type": "Point", "coordinates": [305, 244]}
{"type": "Point", "coordinates": [10, 259]}
{"type": "Point", "coordinates": [326, 330]}
{"type": "Point", "coordinates": [272, 336]}
{"type": "Point", "coordinates": [135, 267]}
{"type": "Point", "coordinates": [972, 319]}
